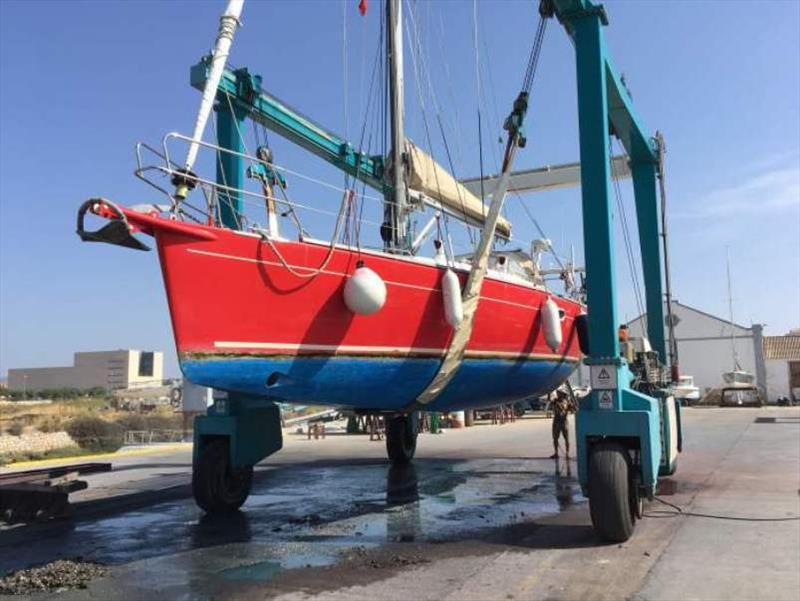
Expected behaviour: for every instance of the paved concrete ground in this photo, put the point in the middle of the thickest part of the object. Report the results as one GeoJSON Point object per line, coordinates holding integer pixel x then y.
{"type": "Point", "coordinates": [481, 515]}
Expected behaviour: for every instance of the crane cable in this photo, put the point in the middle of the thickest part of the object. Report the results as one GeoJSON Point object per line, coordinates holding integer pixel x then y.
{"type": "Point", "coordinates": [421, 71]}
{"type": "Point", "coordinates": [496, 113]}
{"type": "Point", "coordinates": [626, 236]}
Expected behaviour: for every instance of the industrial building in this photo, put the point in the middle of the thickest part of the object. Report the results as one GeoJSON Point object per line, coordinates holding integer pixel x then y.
{"type": "Point", "coordinates": [112, 370]}
{"type": "Point", "coordinates": [708, 346]}
{"type": "Point", "coordinates": [782, 362]}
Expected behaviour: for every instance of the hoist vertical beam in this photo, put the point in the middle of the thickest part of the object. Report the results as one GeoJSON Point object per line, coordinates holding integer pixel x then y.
{"type": "Point", "coordinates": [620, 432]}
{"type": "Point", "coordinates": [230, 167]}
{"type": "Point", "coordinates": [644, 190]}
{"type": "Point", "coordinates": [595, 184]}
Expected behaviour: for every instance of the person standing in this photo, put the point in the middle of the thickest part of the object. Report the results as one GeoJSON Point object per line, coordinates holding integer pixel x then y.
{"type": "Point", "coordinates": [561, 410]}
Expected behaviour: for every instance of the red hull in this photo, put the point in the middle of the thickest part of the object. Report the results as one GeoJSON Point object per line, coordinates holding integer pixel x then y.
{"type": "Point", "coordinates": [231, 297]}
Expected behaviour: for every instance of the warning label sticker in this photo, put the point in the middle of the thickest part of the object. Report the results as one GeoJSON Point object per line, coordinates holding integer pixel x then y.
{"type": "Point", "coordinates": [606, 400]}
{"type": "Point", "coordinates": [604, 377]}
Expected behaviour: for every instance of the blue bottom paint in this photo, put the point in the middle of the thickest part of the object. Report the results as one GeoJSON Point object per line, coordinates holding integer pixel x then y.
{"type": "Point", "coordinates": [371, 383]}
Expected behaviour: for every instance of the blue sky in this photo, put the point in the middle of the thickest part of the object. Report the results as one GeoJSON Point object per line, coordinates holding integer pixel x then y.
{"type": "Point", "coordinates": [82, 82]}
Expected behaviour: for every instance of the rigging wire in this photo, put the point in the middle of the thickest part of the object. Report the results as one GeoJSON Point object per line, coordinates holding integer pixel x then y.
{"type": "Point", "coordinates": [312, 272]}
{"type": "Point", "coordinates": [418, 65]}
{"type": "Point", "coordinates": [423, 55]}
{"type": "Point", "coordinates": [450, 89]}
{"type": "Point", "coordinates": [494, 105]}
{"type": "Point", "coordinates": [626, 237]}
{"type": "Point", "coordinates": [478, 98]}
{"type": "Point", "coordinates": [342, 208]}
{"type": "Point", "coordinates": [425, 70]}
{"type": "Point", "coordinates": [344, 71]}
{"type": "Point", "coordinates": [530, 74]}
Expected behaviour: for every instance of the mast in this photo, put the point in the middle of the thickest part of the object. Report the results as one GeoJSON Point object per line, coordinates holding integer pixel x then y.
{"type": "Point", "coordinates": [730, 309]}
{"type": "Point", "coordinates": [395, 228]}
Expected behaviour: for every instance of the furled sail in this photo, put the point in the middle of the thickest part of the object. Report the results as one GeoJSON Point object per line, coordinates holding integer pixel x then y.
{"type": "Point", "coordinates": [427, 176]}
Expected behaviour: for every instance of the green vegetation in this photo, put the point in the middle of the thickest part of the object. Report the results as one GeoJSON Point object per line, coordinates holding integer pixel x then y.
{"type": "Point", "coordinates": [57, 394]}
{"type": "Point", "coordinates": [151, 421]}
{"type": "Point", "coordinates": [91, 422]}
{"type": "Point", "coordinates": [50, 423]}
{"type": "Point", "coordinates": [16, 427]}
{"type": "Point", "coordinates": [96, 434]}
{"type": "Point", "coordinates": [73, 451]}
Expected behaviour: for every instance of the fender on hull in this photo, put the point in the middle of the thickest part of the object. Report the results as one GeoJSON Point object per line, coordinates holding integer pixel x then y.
{"type": "Point", "coordinates": [383, 384]}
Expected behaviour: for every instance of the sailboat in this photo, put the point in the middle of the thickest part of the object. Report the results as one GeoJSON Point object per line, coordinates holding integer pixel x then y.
{"type": "Point", "coordinates": [737, 376]}
{"type": "Point", "coordinates": [331, 322]}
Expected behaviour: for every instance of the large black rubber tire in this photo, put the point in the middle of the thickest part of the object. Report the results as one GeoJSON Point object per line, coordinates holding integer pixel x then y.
{"type": "Point", "coordinates": [401, 438]}
{"type": "Point", "coordinates": [217, 486]}
{"type": "Point", "coordinates": [610, 492]}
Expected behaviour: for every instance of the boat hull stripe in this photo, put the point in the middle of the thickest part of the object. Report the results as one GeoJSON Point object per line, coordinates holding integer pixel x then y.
{"type": "Point", "coordinates": [380, 350]}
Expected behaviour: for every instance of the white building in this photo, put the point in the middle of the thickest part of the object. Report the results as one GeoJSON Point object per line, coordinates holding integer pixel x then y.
{"type": "Point", "coordinates": [706, 345]}
{"type": "Point", "coordinates": [782, 361]}
{"type": "Point", "coordinates": [111, 370]}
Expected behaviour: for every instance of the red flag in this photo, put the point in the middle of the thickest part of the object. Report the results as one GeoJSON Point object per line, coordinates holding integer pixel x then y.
{"type": "Point", "coordinates": [362, 7]}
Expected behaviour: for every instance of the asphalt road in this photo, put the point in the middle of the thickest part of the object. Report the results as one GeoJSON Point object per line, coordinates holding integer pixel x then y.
{"type": "Point", "coordinates": [482, 514]}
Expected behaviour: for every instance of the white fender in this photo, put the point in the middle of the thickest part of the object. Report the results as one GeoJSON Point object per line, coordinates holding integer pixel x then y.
{"type": "Point", "coordinates": [551, 323]}
{"type": "Point", "coordinates": [451, 296]}
{"type": "Point", "coordinates": [364, 292]}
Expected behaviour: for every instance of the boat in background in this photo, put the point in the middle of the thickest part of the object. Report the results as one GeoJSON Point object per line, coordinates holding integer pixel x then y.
{"type": "Point", "coordinates": [737, 376]}
{"type": "Point", "coordinates": [685, 390]}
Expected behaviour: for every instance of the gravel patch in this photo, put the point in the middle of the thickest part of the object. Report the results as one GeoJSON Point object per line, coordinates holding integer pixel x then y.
{"type": "Point", "coordinates": [58, 575]}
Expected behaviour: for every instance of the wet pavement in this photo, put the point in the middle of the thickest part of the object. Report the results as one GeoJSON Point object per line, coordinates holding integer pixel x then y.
{"type": "Point", "coordinates": [480, 514]}
{"type": "Point", "coordinates": [311, 516]}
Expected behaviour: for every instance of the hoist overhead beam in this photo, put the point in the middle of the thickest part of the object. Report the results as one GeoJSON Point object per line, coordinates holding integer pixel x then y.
{"type": "Point", "coordinates": [550, 177]}
{"type": "Point", "coordinates": [639, 145]}
{"type": "Point", "coordinates": [245, 93]}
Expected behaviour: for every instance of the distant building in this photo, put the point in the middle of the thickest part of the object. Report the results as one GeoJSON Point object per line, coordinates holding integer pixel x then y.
{"type": "Point", "coordinates": [111, 370]}
{"type": "Point", "coordinates": [782, 360]}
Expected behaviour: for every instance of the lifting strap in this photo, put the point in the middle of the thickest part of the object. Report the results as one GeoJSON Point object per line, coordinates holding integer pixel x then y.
{"type": "Point", "coordinates": [480, 261]}
{"type": "Point", "coordinates": [470, 296]}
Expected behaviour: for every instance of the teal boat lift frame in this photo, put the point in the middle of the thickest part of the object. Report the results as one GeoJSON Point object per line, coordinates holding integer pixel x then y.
{"type": "Point", "coordinates": [616, 412]}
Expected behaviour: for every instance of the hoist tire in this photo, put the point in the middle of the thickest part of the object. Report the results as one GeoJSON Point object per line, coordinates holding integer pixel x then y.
{"type": "Point", "coordinates": [217, 486]}
{"type": "Point", "coordinates": [610, 492]}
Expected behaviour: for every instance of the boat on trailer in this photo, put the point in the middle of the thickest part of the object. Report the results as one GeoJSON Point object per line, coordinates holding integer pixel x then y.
{"type": "Point", "coordinates": [266, 318]}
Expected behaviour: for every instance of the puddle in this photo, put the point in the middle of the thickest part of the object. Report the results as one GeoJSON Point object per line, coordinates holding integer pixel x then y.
{"type": "Point", "coordinates": [301, 516]}
{"type": "Point", "coordinates": [256, 572]}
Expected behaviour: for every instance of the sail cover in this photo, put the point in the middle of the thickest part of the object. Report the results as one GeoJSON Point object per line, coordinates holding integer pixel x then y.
{"type": "Point", "coordinates": [427, 176]}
